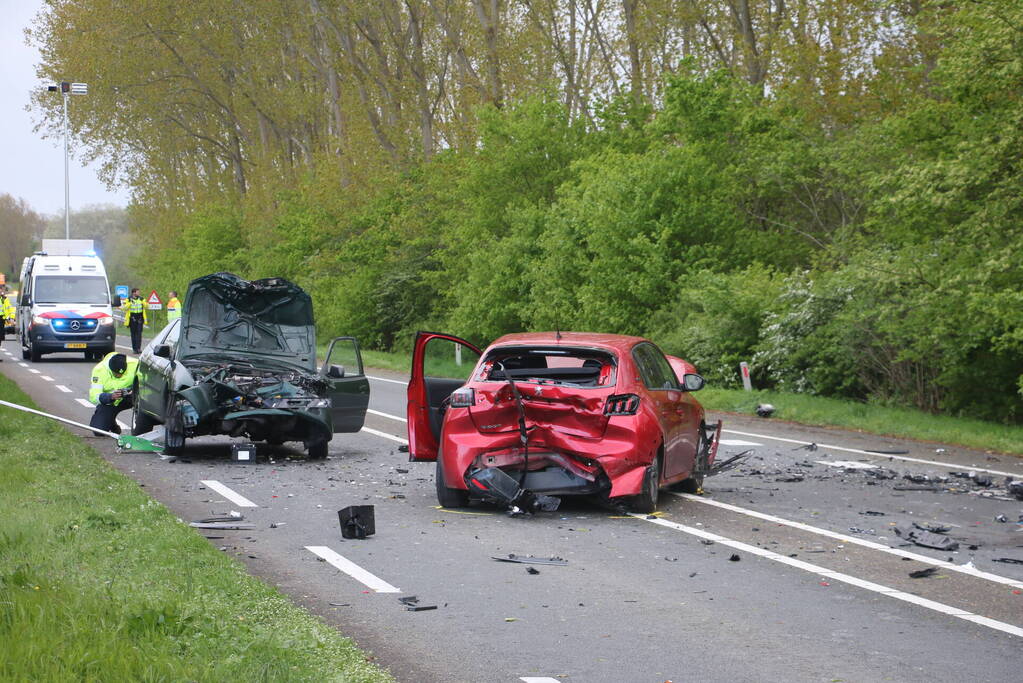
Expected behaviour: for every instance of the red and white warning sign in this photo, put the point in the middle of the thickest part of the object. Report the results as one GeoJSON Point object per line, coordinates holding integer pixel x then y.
{"type": "Point", "coordinates": [154, 301]}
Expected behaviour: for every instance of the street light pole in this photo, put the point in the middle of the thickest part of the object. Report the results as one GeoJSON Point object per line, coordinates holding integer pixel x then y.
{"type": "Point", "coordinates": [65, 88]}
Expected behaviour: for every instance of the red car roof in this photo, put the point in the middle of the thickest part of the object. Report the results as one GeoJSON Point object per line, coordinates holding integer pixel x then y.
{"type": "Point", "coordinates": [618, 342]}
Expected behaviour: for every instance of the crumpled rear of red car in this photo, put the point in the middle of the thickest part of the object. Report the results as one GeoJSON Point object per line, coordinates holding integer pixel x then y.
{"type": "Point", "coordinates": [556, 414]}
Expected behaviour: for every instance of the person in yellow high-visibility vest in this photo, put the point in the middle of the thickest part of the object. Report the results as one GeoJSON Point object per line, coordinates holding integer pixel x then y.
{"type": "Point", "coordinates": [6, 313]}
{"type": "Point", "coordinates": [135, 318]}
{"type": "Point", "coordinates": [111, 390]}
{"type": "Point", "coordinates": [173, 307]}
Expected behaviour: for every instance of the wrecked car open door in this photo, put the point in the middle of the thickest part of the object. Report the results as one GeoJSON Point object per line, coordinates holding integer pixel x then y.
{"type": "Point", "coordinates": [348, 387]}
{"type": "Point", "coordinates": [441, 364]}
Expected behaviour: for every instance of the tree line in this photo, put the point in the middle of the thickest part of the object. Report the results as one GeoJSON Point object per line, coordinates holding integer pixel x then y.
{"type": "Point", "coordinates": [830, 191]}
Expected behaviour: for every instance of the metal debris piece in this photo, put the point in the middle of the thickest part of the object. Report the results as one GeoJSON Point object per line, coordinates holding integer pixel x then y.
{"type": "Point", "coordinates": [872, 513]}
{"type": "Point", "coordinates": [926, 539]}
{"type": "Point", "coordinates": [915, 488]}
{"type": "Point", "coordinates": [357, 521]}
{"type": "Point", "coordinates": [734, 558]}
{"type": "Point", "coordinates": [532, 570]}
{"type": "Point", "coordinates": [933, 528]}
{"type": "Point", "coordinates": [1001, 518]}
{"type": "Point", "coordinates": [808, 447]}
{"type": "Point", "coordinates": [420, 608]}
{"type": "Point", "coordinates": [529, 559]}
{"type": "Point", "coordinates": [730, 463]}
{"type": "Point", "coordinates": [1007, 560]}
{"type": "Point", "coordinates": [230, 517]}
{"type": "Point", "coordinates": [791, 479]}
{"type": "Point", "coordinates": [923, 573]}
{"type": "Point", "coordinates": [1015, 488]}
{"type": "Point", "coordinates": [899, 451]}
{"type": "Point", "coordinates": [222, 525]}
{"type": "Point", "coordinates": [765, 410]}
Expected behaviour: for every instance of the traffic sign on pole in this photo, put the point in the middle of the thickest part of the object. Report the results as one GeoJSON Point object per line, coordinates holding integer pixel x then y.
{"type": "Point", "coordinates": [154, 301]}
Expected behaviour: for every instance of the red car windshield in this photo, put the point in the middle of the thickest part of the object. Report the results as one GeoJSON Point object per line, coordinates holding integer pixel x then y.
{"type": "Point", "coordinates": [566, 366]}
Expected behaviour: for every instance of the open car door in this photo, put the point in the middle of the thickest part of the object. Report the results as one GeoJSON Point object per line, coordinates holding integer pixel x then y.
{"type": "Point", "coordinates": [440, 364]}
{"type": "Point", "coordinates": [348, 387]}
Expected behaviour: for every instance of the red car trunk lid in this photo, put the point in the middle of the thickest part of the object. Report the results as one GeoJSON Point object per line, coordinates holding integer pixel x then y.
{"type": "Point", "coordinates": [569, 410]}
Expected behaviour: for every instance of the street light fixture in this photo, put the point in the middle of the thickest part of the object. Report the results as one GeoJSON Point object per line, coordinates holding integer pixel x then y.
{"type": "Point", "coordinates": [66, 89]}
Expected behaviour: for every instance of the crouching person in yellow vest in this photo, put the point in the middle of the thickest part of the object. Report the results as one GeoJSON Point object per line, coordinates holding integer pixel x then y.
{"type": "Point", "coordinates": [112, 379]}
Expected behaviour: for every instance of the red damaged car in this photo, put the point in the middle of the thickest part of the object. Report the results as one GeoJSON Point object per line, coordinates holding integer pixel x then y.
{"type": "Point", "coordinates": [542, 415]}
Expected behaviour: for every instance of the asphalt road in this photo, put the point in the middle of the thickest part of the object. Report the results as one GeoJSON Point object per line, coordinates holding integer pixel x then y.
{"type": "Point", "coordinates": [777, 573]}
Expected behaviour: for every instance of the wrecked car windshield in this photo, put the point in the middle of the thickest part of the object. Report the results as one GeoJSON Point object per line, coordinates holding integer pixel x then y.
{"type": "Point", "coordinates": [577, 367]}
{"type": "Point", "coordinates": [265, 318]}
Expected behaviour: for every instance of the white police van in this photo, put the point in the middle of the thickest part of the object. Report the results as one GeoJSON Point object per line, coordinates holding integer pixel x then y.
{"type": "Point", "coordinates": [65, 303]}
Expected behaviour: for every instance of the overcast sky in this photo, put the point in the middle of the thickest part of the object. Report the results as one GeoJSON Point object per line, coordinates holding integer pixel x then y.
{"type": "Point", "coordinates": [32, 168]}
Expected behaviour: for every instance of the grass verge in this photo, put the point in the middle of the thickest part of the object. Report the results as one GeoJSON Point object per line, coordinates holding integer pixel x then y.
{"type": "Point", "coordinates": [98, 582]}
{"type": "Point", "coordinates": [828, 412]}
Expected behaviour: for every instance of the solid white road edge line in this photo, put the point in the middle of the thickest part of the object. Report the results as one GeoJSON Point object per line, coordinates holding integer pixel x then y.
{"type": "Point", "coordinates": [384, 379]}
{"type": "Point", "coordinates": [839, 576]}
{"type": "Point", "coordinates": [384, 435]}
{"type": "Point", "coordinates": [353, 570]}
{"type": "Point", "coordinates": [63, 388]}
{"type": "Point", "coordinates": [970, 571]}
{"type": "Point", "coordinates": [387, 415]}
{"type": "Point", "coordinates": [235, 498]}
{"type": "Point", "coordinates": [882, 456]}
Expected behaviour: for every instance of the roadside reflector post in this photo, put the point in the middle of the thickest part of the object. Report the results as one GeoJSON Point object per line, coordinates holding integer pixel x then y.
{"type": "Point", "coordinates": [744, 371]}
{"type": "Point", "coordinates": [458, 354]}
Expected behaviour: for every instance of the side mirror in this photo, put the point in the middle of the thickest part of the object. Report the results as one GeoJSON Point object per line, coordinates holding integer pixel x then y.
{"type": "Point", "coordinates": [336, 372]}
{"type": "Point", "coordinates": [691, 382]}
{"type": "Point", "coordinates": [116, 303]}
{"type": "Point", "coordinates": [162, 351]}
{"type": "Point", "coordinates": [26, 300]}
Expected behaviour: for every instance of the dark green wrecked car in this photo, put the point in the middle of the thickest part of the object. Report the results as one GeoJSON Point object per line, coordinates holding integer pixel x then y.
{"type": "Point", "coordinates": [241, 361]}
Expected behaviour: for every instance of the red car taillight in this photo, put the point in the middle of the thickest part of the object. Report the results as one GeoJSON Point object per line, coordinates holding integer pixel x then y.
{"type": "Point", "coordinates": [621, 404]}
{"type": "Point", "coordinates": [463, 398]}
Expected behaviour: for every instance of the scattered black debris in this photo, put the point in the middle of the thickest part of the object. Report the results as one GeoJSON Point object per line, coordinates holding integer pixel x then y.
{"type": "Point", "coordinates": [933, 528]}
{"type": "Point", "coordinates": [503, 489]}
{"type": "Point", "coordinates": [212, 538]}
{"type": "Point", "coordinates": [808, 447]}
{"type": "Point", "coordinates": [974, 547]}
{"type": "Point", "coordinates": [532, 570]}
{"type": "Point", "coordinates": [734, 558]}
{"type": "Point", "coordinates": [1007, 560]}
{"type": "Point", "coordinates": [409, 600]}
{"type": "Point", "coordinates": [872, 513]}
{"type": "Point", "coordinates": [984, 480]}
{"type": "Point", "coordinates": [671, 559]}
{"type": "Point", "coordinates": [765, 410]}
{"type": "Point", "coordinates": [857, 530]}
{"type": "Point", "coordinates": [400, 470]}
{"type": "Point", "coordinates": [791, 479]}
{"type": "Point", "coordinates": [915, 488]}
{"type": "Point", "coordinates": [651, 516]}
{"type": "Point", "coordinates": [231, 517]}
{"type": "Point", "coordinates": [420, 608]}
{"type": "Point", "coordinates": [927, 539]}
{"type": "Point", "coordinates": [529, 559]}
{"type": "Point", "coordinates": [900, 451]}
{"type": "Point", "coordinates": [691, 575]}
{"type": "Point", "coordinates": [276, 525]}
{"type": "Point", "coordinates": [923, 573]}
{"type": "Point", "coordinates": [881, 473]}
{"type": "Point", "coordinates": [340, 604]}
{"type": "Point", "coordinates": [918, 478]}
{"type": "Point", "coordinates": [357, 521]}
{"type": "Point", "coordinates": [1016, 489]}
{"type": "Point", "coordinates": [730, 463]}
{"type": "Point", "coordinates": [1001, 518]}
{"type": "Point", "coordinates": [403, 448]}
{"type": "Point", "coordinates": [706, 541]}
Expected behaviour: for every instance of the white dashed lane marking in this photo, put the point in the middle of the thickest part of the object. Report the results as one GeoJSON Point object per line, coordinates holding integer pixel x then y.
{"type": "Point", "coordinates": [838, 576]}
{"type": "Point", "coordinates": [738, 442]}
{"type": "Point", "coordinates": [24, 365]}
{"type": "Point", "coordinates": [34, 371]}
{"type": "Point", "coordinates": [85, 403]}
{"type": "Point", "coordinates": [235, 498]}
{"type": "Point", "coordinates": [63, 388]}
{"type": "Point", "coordinates": [387, 415]}
{"type": "Point", "coordinates": [48, 379]}
{"type": "Point", "coordinates": [353, 570]}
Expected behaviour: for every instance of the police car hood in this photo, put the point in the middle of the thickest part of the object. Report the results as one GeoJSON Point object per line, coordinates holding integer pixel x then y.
{"type": "Point", "coordinates": [270, 318]}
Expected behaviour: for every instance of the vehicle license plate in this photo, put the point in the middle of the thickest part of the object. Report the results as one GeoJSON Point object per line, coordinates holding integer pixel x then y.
{"type": "Point", "coordinates": [75, 346]}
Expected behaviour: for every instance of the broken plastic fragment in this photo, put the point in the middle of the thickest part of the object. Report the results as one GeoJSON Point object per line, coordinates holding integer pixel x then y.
{"type": "Point", "coordinates": [923, 573]}
{"type": "Point", "coordinates": [529, 559]}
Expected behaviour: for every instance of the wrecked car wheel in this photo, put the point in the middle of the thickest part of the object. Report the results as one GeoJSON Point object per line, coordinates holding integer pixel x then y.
{"type": "Point", "coordinates": [317, 451]}
{"type": "Point", "coordinates": [693, 484]}
{"type": "Point", "coordinates": [646, 502]}
{"type": "Point", "coordinates": [449, 498]}
{"type": "Point", "coordinates": [174, 429]}
{"type": "Point", "coordinates": [140, 422]}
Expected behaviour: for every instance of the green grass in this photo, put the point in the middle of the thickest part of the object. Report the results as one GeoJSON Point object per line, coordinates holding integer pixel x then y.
{"type": "Point", "coordinates": [815, 410]}
{"type": "Point", "coordinates": [98, 582]}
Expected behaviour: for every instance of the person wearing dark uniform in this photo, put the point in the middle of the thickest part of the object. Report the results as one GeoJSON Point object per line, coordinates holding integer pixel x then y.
{"type": "Point", "coordinates": [135, 318]}
{"type": "Point", "coordinates": [112, 379]}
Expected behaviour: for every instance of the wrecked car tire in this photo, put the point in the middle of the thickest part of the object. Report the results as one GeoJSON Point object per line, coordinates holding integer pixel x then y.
{"type": "Point", "coordinates": [693, 484]}
{"type": "Point", "coordinates": [317, 451]}
{"type": "Point", "coordinates": [449, 498]}
{"type": "Point", "coordinates": [140, 422]}
{"type": "Point", "coordinates": [174, 429]}
{"type": "Point", "coordinates": [646, 501]}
